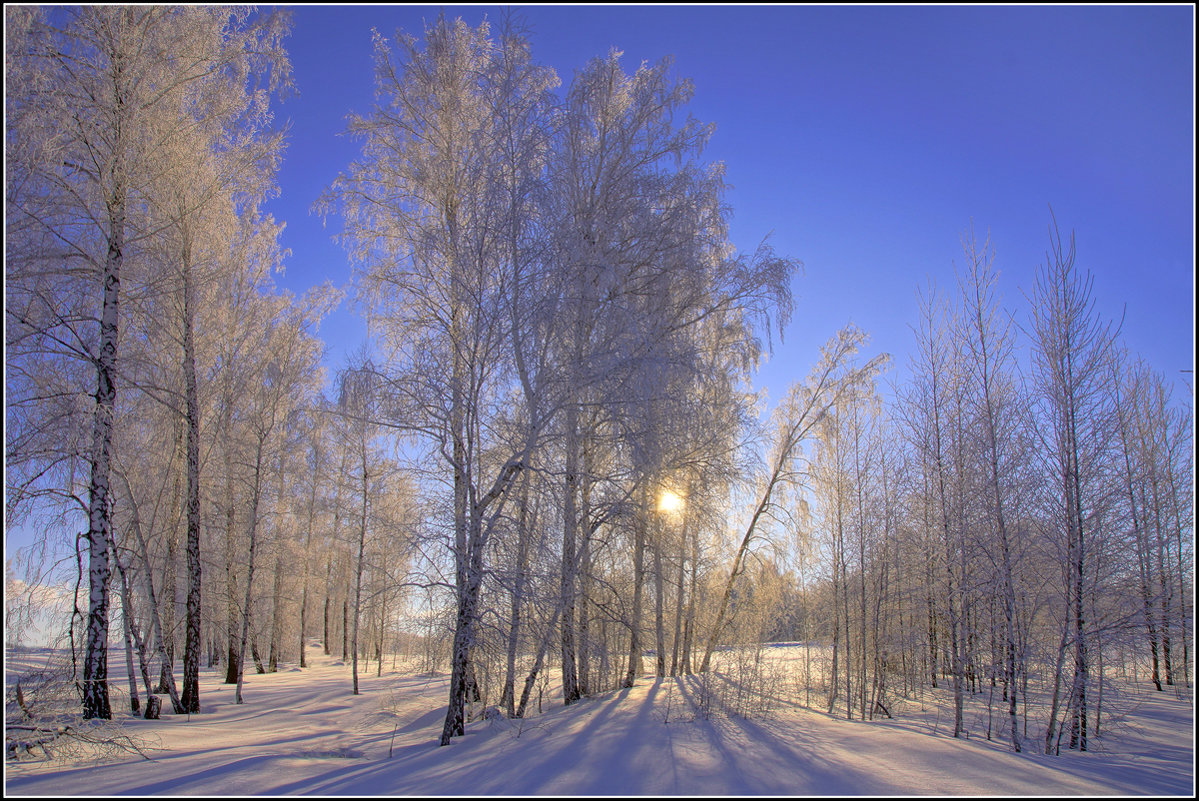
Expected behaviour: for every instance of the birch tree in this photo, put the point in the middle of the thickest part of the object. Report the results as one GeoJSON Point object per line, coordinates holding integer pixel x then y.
{"type": "Point", "coordinates": [1072, 347]}
{"type": "Point", "coordinates": [427, 217]}
{"type": "Point", "coordinates": [356, 404]}
{"type": "Point", "coordinates": [991, 371]}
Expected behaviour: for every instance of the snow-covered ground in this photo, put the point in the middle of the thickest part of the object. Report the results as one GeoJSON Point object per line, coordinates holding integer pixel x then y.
{"type": "Point", "coordinates": [302, 732]}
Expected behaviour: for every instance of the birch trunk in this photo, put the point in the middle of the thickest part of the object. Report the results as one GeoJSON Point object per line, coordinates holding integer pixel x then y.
{"type": "Point", "coordinates": [358, 569]}
{"type": "Point", "coordinates": [253, 531]}
{"type": "Point", "coordinates": [95, 660]}
{"type": "Point", "coordinates": [232, 612]}
{"type": "Point", "coordinates": [276, 614]}
{"type": "Point", "coordinates": [587, 531]}
{"type": "Point", "coordinates": [191, 645]}
{"type": "Point", "coordinates": [126, 616]}
{"type": "Point", "coordinates": [508, 694]}
{"type": "Point", "coordinates": [570, 523]}
{"type": "Point", "coordinates": [163, 617]}
{"type": "Point", "coordinates": [307, 561]}
{"type": "Point", "coordinates": [659, 613]}
{"type": "Point", "coordinates": [635, 665]}
{"type": "Point", "coordinates": [677, 639]}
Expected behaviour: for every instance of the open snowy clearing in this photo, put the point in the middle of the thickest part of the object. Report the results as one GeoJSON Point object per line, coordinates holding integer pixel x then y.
{"type": "Point", "coordinates": [302, 732]}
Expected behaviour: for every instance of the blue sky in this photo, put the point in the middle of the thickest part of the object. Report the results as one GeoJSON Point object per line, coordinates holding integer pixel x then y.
{"type": "Point", "coordinates": [864, 140]}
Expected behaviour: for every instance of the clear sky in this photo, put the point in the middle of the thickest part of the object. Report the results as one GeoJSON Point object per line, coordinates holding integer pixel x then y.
{"type": "Point", "coordinates": [864, 140]}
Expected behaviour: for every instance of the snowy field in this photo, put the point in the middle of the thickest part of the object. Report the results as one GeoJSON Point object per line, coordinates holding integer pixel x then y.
{"type": "Point", "coordinates": [302, 732]}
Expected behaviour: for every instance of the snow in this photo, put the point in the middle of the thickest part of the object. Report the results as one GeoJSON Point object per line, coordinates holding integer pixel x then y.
{"type": "Point", "coordinates": [303, 732]}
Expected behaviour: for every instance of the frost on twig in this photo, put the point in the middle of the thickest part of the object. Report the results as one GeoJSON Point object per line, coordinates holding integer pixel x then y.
{"type": "Point", "coordinates": [42, 722]}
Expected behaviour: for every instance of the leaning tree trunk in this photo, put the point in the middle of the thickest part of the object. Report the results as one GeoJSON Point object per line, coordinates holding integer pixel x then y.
{"type": "Point", "coordinates": [738, 561]}
{"type": "Point", "coordinates": [167, 677]}
{"type": "Point", "coordinates": [538, 661]}
{"type": "Point", "coordinates": [132, 637]}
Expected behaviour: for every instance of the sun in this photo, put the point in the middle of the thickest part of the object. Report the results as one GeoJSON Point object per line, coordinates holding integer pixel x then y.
{"type": "Point", "coordinates": [670, 502]}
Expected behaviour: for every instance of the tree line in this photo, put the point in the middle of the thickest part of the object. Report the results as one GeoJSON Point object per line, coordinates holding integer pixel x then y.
{"type": "Point", "coordinates": [553, 428]}
{"type": "Point", "coordinates": [1021, 507]}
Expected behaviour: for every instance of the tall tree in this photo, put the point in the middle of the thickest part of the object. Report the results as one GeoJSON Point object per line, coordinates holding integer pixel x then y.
{"type": "Point", "coordinates": [991, 372]}
{"type": "Point", "coordinates": [1072, 348]}
{"type": "Point", "coordinates": [426, 214]}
